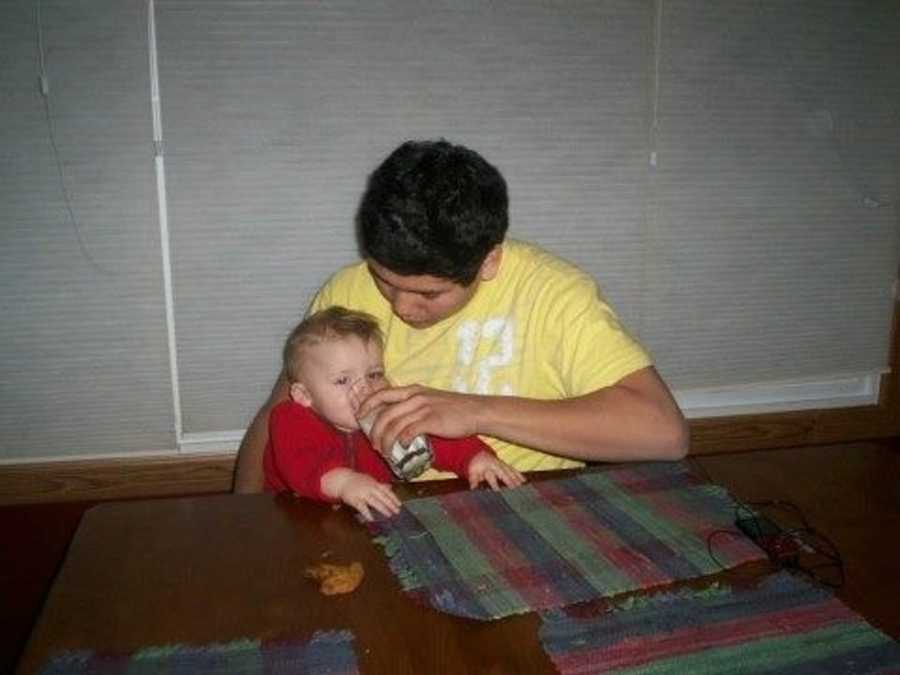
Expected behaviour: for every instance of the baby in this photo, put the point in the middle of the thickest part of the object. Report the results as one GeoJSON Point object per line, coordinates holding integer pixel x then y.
{"type": "Point", "coordinates": [316, 448]}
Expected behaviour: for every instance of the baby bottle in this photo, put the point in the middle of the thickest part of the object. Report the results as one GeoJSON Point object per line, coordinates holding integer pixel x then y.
{"type": "Point", "coordinates": [406, 461]}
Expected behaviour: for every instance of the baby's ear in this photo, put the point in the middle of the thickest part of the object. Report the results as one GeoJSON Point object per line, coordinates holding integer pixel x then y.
{"type": "Point", "coordinates": [299, 394]}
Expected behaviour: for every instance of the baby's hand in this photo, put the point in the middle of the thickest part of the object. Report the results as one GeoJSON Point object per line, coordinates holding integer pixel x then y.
{"type": "Point", "coordinates": [486, 467]}
{"type": "Point", "coordinates": [362, 492]}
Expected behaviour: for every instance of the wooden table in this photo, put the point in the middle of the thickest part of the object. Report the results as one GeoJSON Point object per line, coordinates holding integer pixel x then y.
{"type": "Point", "coordinates": [214, 569]}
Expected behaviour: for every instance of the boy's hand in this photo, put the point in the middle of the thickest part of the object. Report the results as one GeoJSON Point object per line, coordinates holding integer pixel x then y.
{"type": "Point", "coordinates": [414, 409]}
{"type": "Point", "coordinates": [361, 491]}
{"type": "Point", "coordinates": [486, 467]}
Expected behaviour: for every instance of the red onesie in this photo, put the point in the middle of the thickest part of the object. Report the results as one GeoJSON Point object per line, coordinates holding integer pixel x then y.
{"type": "Point", "coordinates": [303, 447]}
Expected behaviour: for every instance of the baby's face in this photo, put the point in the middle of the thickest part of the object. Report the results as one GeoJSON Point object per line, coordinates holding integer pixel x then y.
{"type": "Point", "coordinates": [332, 368]}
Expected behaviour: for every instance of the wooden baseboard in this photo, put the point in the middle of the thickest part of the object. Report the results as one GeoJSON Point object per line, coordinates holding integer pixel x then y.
{"type": "Point", "coordinates": [808, 427]}
{"type": "Point", "coordinates": [157, 477]}
{"type": "Point", "coordinates": [92, 480]}
{"type": "Point", "coordinates": [789, 429]}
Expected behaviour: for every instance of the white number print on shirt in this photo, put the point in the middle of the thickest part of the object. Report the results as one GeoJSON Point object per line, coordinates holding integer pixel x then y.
{"type": "Point", "coordinates": [497, 333]}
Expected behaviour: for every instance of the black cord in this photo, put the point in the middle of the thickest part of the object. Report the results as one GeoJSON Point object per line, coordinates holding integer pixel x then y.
{"type": "Point", "coordinates": [709, 540]}
{"type": "Point", "coordinates": [794, 548]}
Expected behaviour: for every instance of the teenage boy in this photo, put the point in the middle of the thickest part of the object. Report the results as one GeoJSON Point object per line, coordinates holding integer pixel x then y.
{"type": "Point", "coordinates": [483, 334]}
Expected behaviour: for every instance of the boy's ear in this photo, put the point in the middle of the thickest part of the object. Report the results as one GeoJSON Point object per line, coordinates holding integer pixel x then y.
{"type": "Point", "coordinates": [491, 264]}
{"type": "Point", "coordinates": [299, 394]}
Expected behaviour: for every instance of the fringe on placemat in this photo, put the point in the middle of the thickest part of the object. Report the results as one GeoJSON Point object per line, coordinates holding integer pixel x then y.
{"type": "Point", "coordinates": [453, 599]}
{"type": "Point", "coordinates": [404, 573]}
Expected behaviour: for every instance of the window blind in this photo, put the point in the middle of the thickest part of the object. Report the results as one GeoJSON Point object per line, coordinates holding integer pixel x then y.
{"type": "Point", "coordinates": [772, 224]}
{"type": "Point", "coordinates": [83, 360]}
{"type": "Point", "coordinates": [727, 172]}
{"type": "Point", "coordinates": [274, 113]}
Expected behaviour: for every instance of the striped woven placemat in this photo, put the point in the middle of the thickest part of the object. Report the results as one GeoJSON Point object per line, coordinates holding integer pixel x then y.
{"type": "Point", "coordinates": [325, 653]}
{"type": "Point", "coordinates": [786, 625]}
{"type": "Point", "coordinates": [485, 554]}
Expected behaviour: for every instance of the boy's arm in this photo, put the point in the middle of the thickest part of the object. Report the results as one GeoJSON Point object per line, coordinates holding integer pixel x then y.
{"type": "Point", "coordinates": [618, 407]}
{"type": "Point", "coordinates": [634, 419]}
{"type": "Point", "coordinates": [248, 475]}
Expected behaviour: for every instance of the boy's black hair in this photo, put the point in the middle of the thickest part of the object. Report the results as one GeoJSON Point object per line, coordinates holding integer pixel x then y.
{"type": "Point", "coordinates": [433, 208]}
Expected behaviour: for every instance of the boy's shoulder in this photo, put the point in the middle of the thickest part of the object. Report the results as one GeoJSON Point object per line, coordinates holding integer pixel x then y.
{"type": "Point", "coordinates": [532, 259]}
{"type": "Point", "coordinates": [535, 272]}
{"type": "Point", "coordinates": [351, 275]}
{"type": "Point", "coordinates": [352, 287]}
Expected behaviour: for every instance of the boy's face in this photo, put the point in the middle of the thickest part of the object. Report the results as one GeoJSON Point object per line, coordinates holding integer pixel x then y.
{"type": "Point", "coordinates": [330, 369]}
{"type": "Point", "coordinates": [421, 300]}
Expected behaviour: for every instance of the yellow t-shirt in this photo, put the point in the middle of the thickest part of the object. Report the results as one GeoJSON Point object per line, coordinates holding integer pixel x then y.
{"type": "Point", "coordinates": [539, 329]}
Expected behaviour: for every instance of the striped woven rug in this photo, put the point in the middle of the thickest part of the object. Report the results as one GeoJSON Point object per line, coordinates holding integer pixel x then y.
{"type": "Point", "coordinates": [325, 653]}
{"type": "Point", "coordinates": [485, 554]}
{"type": "Point", "coordinates": [786, 625]}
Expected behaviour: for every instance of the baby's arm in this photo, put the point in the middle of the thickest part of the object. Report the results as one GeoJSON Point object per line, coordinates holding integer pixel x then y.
{"type": "Point", "coordinates": [472, 458]}
{"type": "Point", "coordinates": [360, 491]}
{"type": "Point", "coordinates": [298, 460]}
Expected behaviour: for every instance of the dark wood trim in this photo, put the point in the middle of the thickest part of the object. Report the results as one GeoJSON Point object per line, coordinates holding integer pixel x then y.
{"type": "Point", "coordinates": [129, 478]}
{"type": "Point", "coordinates": [93, 480]}
{"type": "Point", "coordinates": [808, 427]}
{"type": "Point", "coordinates": [155, 477]}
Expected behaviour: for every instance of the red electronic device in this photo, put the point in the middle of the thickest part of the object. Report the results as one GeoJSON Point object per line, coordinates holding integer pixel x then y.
{"type": "Point", "coordinates": [779, 544]}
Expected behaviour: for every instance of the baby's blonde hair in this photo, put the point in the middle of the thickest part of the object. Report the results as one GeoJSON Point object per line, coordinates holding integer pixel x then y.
{"type": "Point", "coordinates": [325, 325]}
